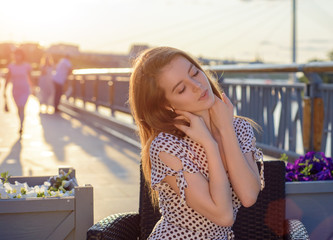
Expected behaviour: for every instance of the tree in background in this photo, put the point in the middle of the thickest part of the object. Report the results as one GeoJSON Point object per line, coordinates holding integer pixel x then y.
{"type": "Point", "coordinates": [6, 50]}
{"type": "Point", "coordinates": [326, 77]}
{"type": "Point", "coordinates": [330, 55]}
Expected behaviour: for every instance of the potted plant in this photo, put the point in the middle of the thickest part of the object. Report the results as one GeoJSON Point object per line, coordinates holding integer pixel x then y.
{"type": "Point", "coordinates": [309, 193]}
{"type": "Point", "coordinates": [45, 207]}
{"type": "Point", "coordinates": [61, 185]}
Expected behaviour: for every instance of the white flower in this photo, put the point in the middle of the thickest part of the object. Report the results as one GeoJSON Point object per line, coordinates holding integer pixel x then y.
{"type": "Point", "coordinates": [3, 193]}
{"type": "Point", "coordinates": [22, 190]}
{"type": "Point", "coordinates": [9, 188]}
{"type": "Point", "coordinates": [47, 184]}
{"type": "Point", "coordinates": [30, 194]}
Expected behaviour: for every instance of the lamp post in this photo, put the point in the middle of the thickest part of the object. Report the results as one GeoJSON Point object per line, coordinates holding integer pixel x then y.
{"type": "Point", "coordinates": [294, 78]}
{"type": "Point", "coordinates": [294, 31]}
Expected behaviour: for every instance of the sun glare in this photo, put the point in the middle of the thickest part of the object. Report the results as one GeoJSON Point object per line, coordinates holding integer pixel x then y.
{"type": "Point", "coordinates": [27, 19]}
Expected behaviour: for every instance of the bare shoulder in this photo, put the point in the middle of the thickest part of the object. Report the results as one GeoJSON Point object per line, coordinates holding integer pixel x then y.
{"type": "Point", "coordinates": [171, 161]}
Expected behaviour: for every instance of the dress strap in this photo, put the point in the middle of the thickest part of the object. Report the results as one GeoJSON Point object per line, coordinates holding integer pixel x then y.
{"type": "Point", "coordinates": [181, 182]}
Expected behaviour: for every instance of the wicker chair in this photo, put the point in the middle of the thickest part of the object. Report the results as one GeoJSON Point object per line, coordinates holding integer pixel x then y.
{"type": "Point", "coordinates": [264, 220]}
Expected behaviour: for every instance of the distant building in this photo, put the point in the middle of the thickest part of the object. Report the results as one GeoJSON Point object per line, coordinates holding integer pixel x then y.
{"type": "Point", "coordinates": [29, 47]}
{"type": "Point", "coordinates": [6, 50]}
{"type": "Point", "coordinates": [64, 49]}
{"type": "Point", "coordinates": [104, 60]}
{"type": "Point", "coordinates": [136, 49]}
{"type": "Point", "coordinates": [33, 53]}
{"type": "Point", "coordinates": [8, 47]}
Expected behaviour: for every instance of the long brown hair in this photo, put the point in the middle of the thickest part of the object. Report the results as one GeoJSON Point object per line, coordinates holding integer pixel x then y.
{"type": "Point", "coordinates": [148, 103]}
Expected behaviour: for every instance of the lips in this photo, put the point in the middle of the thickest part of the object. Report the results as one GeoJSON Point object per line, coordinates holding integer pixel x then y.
{"type": "Point", "coordinates": [203, 95]}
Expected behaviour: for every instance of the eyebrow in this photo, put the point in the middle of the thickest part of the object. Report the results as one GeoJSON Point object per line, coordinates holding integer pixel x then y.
{"type": "Point", "coordinates": [189, 70]}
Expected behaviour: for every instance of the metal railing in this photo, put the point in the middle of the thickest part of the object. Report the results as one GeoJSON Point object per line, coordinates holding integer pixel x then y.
{"type": "Point", "coordinates": [103, 87]}
{"type": "Point", "coordinates": [277, 107]}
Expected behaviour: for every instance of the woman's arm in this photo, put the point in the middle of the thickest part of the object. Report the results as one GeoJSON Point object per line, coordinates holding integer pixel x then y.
{"type": "Point", "coordinates": [211, 198]}
{"type": "Point", "coordinates": [242, 169]}
{"type": "Point", "coordinates": [30, 77]}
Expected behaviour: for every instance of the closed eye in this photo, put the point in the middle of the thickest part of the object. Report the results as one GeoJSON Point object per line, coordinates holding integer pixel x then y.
{"type": "Point", "coordinates": [196, 73]}
{"type": "Point", "coordinates": [181, 91]}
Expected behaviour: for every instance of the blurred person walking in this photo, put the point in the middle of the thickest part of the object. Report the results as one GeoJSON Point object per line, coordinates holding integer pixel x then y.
{"type": "Point", "coordinates": [46, 87]}
{"type": "Point", "coordinates": [64, 68]}
{"type": "Point", "coordinates": [19, 74]}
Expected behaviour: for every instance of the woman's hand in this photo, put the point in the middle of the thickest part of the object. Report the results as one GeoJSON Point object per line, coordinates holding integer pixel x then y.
{"type": "Point", "coordinates": [222, 112]}
{"type": "Point", "coordinates": [197, 129]}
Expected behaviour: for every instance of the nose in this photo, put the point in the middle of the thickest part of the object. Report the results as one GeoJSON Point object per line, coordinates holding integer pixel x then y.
{"type": "Point", "coordinates": [196, 85]}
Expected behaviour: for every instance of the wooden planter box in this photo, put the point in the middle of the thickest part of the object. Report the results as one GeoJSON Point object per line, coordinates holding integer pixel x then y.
{"type": "Point", "coordinates": [312, 203]}
{"type": "Point", "coordinates": [47, 218]}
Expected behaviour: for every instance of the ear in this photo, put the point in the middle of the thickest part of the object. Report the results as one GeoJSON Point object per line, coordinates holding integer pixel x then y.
{"type": "Point", "coordinates": [170, 108]}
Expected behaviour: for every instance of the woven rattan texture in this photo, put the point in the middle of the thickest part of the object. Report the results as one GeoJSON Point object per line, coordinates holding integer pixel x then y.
{"type": "Point", "coordinates": [296, 230]}
{"type": "Point", "coordinates": [123, 226]}
{"type": "Point", "coordinates": [265, 219]}
{"type": "Point", "coordinates": [148, 214]}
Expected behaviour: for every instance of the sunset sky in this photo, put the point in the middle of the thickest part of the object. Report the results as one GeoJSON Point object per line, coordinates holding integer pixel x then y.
{"type": "Point", "coordinates": [224, 29]}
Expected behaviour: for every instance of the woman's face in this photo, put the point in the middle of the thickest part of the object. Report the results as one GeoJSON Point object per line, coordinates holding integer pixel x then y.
{"type": "Point", "coordinates": [186, 87]}
{"type": "Point", "coordinates": [18, 57]}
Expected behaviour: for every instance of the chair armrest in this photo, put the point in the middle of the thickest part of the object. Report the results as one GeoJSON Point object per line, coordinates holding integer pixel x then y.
{"type": "Point", "coordinates": [296, 230]}
{"type": "Point", "coordinates": [121, 226]}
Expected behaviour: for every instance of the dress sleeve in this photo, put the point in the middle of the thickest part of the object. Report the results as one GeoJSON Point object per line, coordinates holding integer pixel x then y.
{"type": "Point", "coordinates": [29, 68]}
{"type": "Point", "coordinates": [159, 170]}
{"type": "Point", "coordinates": [247, 142]}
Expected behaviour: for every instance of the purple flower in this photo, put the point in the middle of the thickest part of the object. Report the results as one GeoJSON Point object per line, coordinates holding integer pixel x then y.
{"type": "Point", "coordinates": [310, 167]}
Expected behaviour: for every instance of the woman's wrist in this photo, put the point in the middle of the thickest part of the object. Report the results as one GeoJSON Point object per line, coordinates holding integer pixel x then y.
{"type": "Point", "coordinates": [210, 145]}
{"type": "Point", "coordinates": [226, 129]}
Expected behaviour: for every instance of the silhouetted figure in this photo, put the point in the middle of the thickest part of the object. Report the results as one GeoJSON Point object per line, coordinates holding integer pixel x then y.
{"type": "Point", "coordinates": [64, 68]}
{"type": "Point", "coordinates": [19, 74]}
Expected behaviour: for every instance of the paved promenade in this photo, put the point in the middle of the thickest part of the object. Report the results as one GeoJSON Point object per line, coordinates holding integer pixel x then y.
{"type": "Point", "coordinates": [50, 141]}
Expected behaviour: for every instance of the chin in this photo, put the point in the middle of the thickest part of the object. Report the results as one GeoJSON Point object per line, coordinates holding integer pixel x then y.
{"type": "Point", "coordinates": [211, 100]}
{"type": "Point", "coordinates": [203, 108]}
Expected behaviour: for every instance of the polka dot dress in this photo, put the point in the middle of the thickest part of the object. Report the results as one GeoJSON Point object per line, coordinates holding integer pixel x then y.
{"type": "Point", "coordinates": [178, 220]}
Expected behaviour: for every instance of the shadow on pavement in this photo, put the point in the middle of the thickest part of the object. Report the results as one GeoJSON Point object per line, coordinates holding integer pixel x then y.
{"type": "Point", "coordinates": [70, 138]}
{"type": "Point", "coordinates": [12, 162]}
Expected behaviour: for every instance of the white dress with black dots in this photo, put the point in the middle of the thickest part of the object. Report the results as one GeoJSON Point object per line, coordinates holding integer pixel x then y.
{"type": "Point", "coordinates": [178, 220]}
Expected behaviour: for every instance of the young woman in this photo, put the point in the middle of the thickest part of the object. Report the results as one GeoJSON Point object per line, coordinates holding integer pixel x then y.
{"type": "Point", "coordinates": [19, 73]}
{"type": "Point", "coordinates": [196, 155]}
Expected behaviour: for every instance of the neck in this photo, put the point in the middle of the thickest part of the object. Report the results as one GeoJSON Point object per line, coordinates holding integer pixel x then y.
{"type": "Point", "coordinates": [206, 117]}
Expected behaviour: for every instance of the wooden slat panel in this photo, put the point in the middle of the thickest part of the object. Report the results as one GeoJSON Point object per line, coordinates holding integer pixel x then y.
{"type": "Point", "coordinates": [64, 229]}
{"type": "Point", "coordinates": [30, 226]}
{"type": "Point", "coordinates": [36, 205]}
{"type": "Point", "coordinates": [84, 214]}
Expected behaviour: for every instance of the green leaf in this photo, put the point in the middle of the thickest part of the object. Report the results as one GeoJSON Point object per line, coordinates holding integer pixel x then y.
{"type": "Point", "coordinates": [284, 157]}
{"type": "Point", "coordinates": [5, 176]}
{"type": "Point", "coordinates": [23, 191]}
